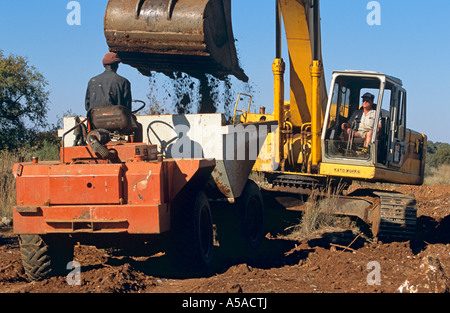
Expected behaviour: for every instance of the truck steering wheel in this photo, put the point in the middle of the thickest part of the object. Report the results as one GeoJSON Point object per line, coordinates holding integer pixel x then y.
{"type": "Point", "coordinates": [143, 105]}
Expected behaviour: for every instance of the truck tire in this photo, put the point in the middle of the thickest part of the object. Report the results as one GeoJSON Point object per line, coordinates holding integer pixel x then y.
{"type": "Point", "coordinates": [251, 211]}
{"type": "Point", "coordinates": [43, 256]}
{"type": "Point", "coordinates": [240, 226]}
{"type": "Point", "coordinates": [193, 234]}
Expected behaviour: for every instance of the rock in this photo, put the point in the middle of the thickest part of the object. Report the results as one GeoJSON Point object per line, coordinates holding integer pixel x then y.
{"type": "Point", "coordinates": [406, 287]}
{"type": "Point", "coordinates": [241, 269]}
{"type": "Point", "coordinates": [5, 222]}
{"type": "Point", "coordinates": [234, 288]}
{"type": "Point", "coordinates": [430, 277]}
{"type": "Point", "coordinates": [438, 282]}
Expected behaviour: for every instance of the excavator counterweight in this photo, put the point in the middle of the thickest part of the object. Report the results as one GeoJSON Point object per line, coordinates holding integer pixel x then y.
{"type": "Point", "coordinates": [191, 36]}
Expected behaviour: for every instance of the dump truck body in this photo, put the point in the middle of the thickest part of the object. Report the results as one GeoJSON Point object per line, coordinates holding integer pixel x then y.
{"type": "Point", "coordinates": [132, 197]}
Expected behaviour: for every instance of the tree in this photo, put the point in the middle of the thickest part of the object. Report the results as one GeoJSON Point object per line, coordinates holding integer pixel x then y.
{"type": "Point", "coordinates": [23, 101]}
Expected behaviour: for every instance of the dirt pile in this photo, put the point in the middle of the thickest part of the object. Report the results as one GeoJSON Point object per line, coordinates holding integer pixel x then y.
{"type": "Point", "coordinates": [321, 264]}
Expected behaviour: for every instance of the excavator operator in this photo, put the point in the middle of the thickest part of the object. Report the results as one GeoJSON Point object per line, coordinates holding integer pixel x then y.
{"type": "Point", "coordinates": [363, 121]}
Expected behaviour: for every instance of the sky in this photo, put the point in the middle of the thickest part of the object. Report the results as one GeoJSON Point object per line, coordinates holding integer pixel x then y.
{"type": "Point", "coordinates": [411, 42]}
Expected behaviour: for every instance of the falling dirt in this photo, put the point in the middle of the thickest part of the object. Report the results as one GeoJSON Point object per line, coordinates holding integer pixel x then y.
{"type": "Point", "coordinates": [320, 264]}
{"type": "Point", "coordinates": [182, 93]}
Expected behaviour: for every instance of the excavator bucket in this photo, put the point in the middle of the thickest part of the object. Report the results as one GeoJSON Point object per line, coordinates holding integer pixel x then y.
{"type": "Point", "coordinates": [191, 36]}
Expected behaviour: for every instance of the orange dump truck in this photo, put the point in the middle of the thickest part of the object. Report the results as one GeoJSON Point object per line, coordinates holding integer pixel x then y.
{"type": "Point", "coordinates": [113, 192]}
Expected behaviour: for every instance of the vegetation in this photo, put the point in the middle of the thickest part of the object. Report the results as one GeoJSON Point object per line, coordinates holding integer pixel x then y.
{"type": "Point", "coordinates": [437, 168]}
{"type": "Point", "coordinates": [439, 175]}
{"type": "Point", "coordinates": [46, 150]}
{"type": "Point", "coordinates": [7, 183]}
{"type": "Point", "coordinates": [23, 101]}
{"type": "Point", "coordinates": [437, 154]}
{"type": "Point", "coordinates": [23, 118]}
{"type": "Point", "coordinates": [319, 216]}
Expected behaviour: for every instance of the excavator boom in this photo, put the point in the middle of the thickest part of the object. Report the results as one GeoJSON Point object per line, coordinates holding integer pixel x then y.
{"type": "Point", "coordinates": [191, 36]}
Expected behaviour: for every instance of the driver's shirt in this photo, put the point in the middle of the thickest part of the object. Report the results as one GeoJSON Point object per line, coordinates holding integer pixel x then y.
{"type": "Point", "coordinates": [106, 89]}
{"type": "Point", "coordinates": [366, 121]}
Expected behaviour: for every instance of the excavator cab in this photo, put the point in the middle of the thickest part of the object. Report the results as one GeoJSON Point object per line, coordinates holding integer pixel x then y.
{"type": "Point", "coordinates": [346, 109]}
{"type": "Point", "coordinates": [191, 36]}
{"type": "Point", "coordinates": [394, 153]}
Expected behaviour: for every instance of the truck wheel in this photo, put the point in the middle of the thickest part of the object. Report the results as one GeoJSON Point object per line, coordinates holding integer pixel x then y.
{"type": "Point", "coordinates": [43, 256]}
{"type": "Point", "coordinates": [193, 234]}
{"type": "Point", "coordinates": [251, 210]}
{"type": "Point", "coordinates": [240, 226]}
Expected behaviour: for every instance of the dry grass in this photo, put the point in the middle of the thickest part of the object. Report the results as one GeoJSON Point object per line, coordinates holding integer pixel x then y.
{"type": "Point", "coordinates": [7, 182]}
{"type": "Point", "coordinates": [439, 176]}
{"type": "Point", "coordinates": [319, 216]}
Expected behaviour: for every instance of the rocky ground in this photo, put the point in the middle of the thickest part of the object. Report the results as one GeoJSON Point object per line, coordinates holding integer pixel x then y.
{"type": "Point", "coordinates": [319, 264]}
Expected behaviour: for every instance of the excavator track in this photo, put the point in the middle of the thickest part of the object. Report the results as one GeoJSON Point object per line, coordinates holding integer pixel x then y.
{"type": "Point", "coordinates": [391, 215]}
{"type": "Point", "coordinates": [398, 216]}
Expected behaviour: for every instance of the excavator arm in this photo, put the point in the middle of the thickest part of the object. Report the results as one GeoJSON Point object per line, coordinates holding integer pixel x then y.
{"type": "Point", "coordinates": [308, 95]}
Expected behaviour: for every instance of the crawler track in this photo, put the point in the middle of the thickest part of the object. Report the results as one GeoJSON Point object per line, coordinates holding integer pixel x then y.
{"type": "Point", "coordinates": [398, 216]}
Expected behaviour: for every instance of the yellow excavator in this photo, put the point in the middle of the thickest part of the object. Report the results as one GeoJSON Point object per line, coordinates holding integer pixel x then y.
{"type": "Point", "coordinates": [309, 149]}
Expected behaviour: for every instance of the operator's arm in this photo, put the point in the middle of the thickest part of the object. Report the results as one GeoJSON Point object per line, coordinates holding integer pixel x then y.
{"type": "Point", "coordinates": [127, 98]}
{"type": "Point", "coordinates": [350, 121]}
{"type": "Point", "coordinates": [87, 102]}
{"type": "Point", "coordinates": [345, 126]}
